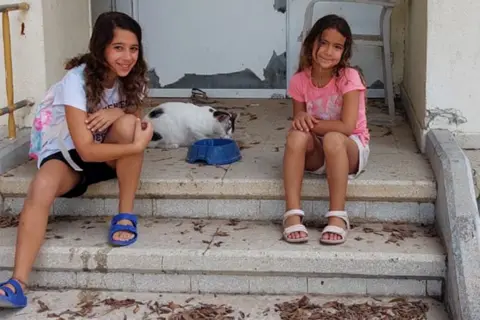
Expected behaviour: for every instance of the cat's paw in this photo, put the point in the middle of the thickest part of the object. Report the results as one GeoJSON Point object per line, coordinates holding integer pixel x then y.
{"type": "Point", "coordinates": [171, 146]}
{"type": "Point", "coordinates": [152, 145]}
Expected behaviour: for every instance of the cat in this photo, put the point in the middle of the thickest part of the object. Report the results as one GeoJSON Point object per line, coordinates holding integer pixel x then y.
{"type": "Point", "coordinates": [180, 124]}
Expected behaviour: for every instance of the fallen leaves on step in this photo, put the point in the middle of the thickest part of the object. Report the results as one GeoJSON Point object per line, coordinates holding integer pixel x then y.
{"type": "Point", "coordinates": [399, 309]}
{"type": "Point", "coordinates": [398, 232]}
{"type": "Point", "coordinates": [221, 233]}
{"type": "Point", "coordinates": [117, 304]}
{"type": "Point", "coordinates": [203, 311]}
{"type": "Point", "coordinates": [8, 221]}
{"type": "Point", "coordinates": [233, 222]}
{"type": "Point", "coordinates": [198, 225]}
{"type": "Point", "coordinates": [43, 307]}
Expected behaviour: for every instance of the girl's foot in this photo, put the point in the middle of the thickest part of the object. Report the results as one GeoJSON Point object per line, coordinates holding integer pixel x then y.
{"type": "Point", "coordinates": [123, 229]}
{"type": "Point", "coordinates": [336, 230]}
{"type": "Point", "coordinates": [294, 231]}
{"type": "Point", "coordinates": [9, 286]}
{"type": "Point", "coordinates": [12, 294]}
{"type": "Point", "coordinates": [123, 235]}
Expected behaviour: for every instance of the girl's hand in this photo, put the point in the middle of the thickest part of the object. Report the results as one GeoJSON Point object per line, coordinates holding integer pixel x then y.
{"type": "Point", "coordinates": [143, 134]}
{"type": "Point", "coordinates": [102, 119]}
{"type": "Point", "coordinates": [304, 122]}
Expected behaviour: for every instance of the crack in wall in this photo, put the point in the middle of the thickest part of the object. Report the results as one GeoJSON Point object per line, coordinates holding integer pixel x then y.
{"type": "Point", "coordinates": [451, 115]}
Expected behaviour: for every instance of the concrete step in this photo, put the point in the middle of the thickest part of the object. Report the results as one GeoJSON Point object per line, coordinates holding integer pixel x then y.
{"type": "Point", "coordinates": [149, 306]}
{"type": "Point", "coordinates": [398, 184]}
{"type": "Point", "coordinates": [242, 191]}
{"type": "Point", "coordinates": [220, 256]}
{"type": "Point", "coordinates": [244, 209]}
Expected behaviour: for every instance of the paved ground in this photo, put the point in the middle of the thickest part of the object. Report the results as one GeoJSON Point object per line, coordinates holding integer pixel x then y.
{"type": "Point", "coordinates": [58, 305]}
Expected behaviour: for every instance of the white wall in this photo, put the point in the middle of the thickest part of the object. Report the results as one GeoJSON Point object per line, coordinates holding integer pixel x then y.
{"type": "Point", "coordinates": [53, 31]}
{"type": "Point", "coordinates": [453, 68]}
{"type": "Point", "coordinates": [28, 55]}
{"type": "Point", "coordinates": [64, 21]}
{"type": "Point", "coordinates": [442, 65]}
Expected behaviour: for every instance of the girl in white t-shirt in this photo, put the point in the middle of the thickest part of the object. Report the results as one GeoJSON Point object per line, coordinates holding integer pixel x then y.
{"type": "Point", "coordinates": [91, 132]}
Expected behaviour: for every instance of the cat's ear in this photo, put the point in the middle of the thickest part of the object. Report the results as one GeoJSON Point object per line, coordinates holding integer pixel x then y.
{"type": "Point", "coordinates": [221, 116]}
{"type": "Point", "coordinates": [155, 113]}
{"type": "Point", "coordinates": [234, 116]}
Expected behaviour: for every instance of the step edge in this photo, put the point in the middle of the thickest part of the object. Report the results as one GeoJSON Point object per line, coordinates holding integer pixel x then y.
{"type": "Point", "coordinates": [192, 260]}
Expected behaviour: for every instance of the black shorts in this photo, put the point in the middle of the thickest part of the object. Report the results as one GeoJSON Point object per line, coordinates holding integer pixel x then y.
{"type": "Point", "coordinates": [93, 172]}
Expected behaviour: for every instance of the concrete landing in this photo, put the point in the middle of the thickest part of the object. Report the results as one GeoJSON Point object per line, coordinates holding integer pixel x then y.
{"type": "Point", "coordinates": [221, 256]}
{"type": "Point", "coordinates": [148, 306]}
{"type": "Point", "coordinates": [396, 171]}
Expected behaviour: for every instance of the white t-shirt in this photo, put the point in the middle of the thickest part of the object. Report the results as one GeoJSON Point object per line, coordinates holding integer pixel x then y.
{"type": "Point", "coordinates": [71, 91]}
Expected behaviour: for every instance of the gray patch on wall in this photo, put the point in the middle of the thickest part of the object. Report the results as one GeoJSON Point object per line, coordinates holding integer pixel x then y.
{"type": "Point", "coordinates": [275, 74]}
{"type": "Point", "coordinates": [377, 85]}
{"type": "Point", "coordinates": [280, 5]}
{"type": "Point", "coordinates": [153, 79]}
{"type": "Point", "coordinates": [453, 116]}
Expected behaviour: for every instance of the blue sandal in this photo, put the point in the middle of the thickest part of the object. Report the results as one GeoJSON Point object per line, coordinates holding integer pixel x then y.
{"type": "Point", "coordinates": [12, 300]}
{"type": "Point", "coordinates": [114, 227]}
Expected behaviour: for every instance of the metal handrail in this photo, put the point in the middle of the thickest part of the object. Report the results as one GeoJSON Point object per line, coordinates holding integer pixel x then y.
{"type": "Point", "coordinates": [7, 52]}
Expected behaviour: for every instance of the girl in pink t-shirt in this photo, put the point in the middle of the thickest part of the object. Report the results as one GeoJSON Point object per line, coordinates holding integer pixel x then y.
{"type": "Point", "coordinates": [329, 131]}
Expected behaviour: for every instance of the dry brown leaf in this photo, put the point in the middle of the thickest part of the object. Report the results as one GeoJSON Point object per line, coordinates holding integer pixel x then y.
{"type": "Point", "coordinates": [8, 221]}
{"type": "Point", "coordinates": [43, 307]}
{"type": "Point", "coordinates": [221, 233]}
{"type": "Point", "coordinates": [233, 222]}
{"type": "Point", "coordinates": [399, 308]}
{"type": "Point", "coordinates": [172, 305]}
{"type": "Point", "coordinates": [368, 230]}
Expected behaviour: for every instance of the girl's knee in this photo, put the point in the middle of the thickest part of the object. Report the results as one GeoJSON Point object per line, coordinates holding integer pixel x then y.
{"type": "Point", "coordinates": [298, 139]}
{"type": "Point", "coordinates": [123, 129]}
{"type": "Point", "coordinates": [42, 190]}
{"type": "Point", "coordinates": [334, 142]}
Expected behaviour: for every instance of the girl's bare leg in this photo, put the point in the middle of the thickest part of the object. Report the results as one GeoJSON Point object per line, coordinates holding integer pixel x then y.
{"type": "Point", "coordinates": [53, 179]}
{"type": "Point", "coordinates": [302, 151]}
{"type": "Point", "coordinates": [128, 169]}
{"type": "Point", "coordinates": [341, 158]}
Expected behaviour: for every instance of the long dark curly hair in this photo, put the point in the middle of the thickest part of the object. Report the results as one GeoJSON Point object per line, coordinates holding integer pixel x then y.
{"type": "Point", "coordinates": [133, 86]}
{"type": "Point", "coordinates": [331, 21]}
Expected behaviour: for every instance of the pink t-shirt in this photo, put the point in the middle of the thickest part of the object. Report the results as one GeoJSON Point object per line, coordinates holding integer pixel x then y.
{"type": "Point", "coordinates": [326, 103]}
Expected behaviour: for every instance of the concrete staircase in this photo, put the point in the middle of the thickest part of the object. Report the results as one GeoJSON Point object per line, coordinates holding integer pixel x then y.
{"type": "Point", "coordinates": [217, 229]}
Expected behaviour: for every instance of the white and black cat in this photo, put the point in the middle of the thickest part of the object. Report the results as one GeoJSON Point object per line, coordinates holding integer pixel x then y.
{"type": "Point", "coordinates": [180, 124]}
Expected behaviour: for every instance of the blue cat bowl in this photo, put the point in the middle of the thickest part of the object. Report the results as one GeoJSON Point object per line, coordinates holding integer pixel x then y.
{"type": "Point", "coordinates": [214, 152]}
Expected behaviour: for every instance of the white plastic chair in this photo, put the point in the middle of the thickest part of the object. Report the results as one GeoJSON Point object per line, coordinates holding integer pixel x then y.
{"type": "Point", "coordinates": [382, 40]}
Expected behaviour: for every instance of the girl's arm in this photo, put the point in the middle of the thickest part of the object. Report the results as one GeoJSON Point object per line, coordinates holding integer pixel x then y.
{"type": "Point", "coordinates": [88, 150]}
{"type": "Point", "coordinates": [349, 117]}
{"type": "Point", "coordinates": [298, 107]}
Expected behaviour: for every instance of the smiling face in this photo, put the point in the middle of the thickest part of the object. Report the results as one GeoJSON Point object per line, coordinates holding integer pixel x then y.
{"type": "Point", "coordinates": [122, 53]}
{"type": "Point", "coordinates": [328, 50]}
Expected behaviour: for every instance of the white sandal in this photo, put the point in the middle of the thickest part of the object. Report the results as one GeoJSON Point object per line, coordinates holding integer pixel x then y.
{"type": "Point", "coordinates": [295, 228]}
{"type": "Point", "coordinates": [336, 230]}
